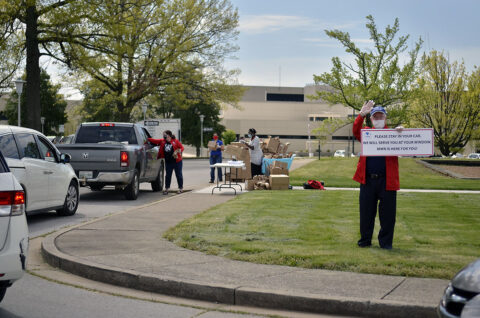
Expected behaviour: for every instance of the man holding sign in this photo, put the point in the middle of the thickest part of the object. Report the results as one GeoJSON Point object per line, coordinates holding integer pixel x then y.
{"type": "Point", "coordinates": [379, 182]}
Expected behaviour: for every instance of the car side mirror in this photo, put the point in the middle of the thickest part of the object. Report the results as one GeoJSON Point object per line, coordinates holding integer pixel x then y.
{"type": "Point", "coordinates": [65, 158]}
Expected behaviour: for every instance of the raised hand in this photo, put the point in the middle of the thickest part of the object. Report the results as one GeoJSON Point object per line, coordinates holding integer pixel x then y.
{"type": "Point", "coordinates": [366, 108]}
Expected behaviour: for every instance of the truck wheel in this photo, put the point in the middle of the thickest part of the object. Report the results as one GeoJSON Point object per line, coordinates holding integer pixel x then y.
{"type": "Point", "coordinates": [71, 201]}
{"type": "Point", "coordinates": [131, 191]}
{"type": "Point", "coordinates": [157, 185]}
{"type": "Point", "coordinates": [3, 290]}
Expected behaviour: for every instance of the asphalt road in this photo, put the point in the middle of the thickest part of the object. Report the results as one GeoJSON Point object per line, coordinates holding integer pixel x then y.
{"type": "Point", "coordinates": [94, 204]}
{"type": "Point", "coordinates": [37, 298]}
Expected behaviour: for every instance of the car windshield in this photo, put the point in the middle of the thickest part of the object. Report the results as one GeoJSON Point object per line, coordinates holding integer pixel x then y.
{"type": "Point", "coordinates": [100, 134]}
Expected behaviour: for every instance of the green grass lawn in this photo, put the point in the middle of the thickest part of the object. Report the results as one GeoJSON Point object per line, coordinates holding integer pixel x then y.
{"type": "Point", "coordinates": [435, 235]}
{"type": "Point", "coordinates": [338, 172]}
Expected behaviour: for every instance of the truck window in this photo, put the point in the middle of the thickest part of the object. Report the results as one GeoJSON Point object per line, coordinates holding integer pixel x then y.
{"type": "Point", "coordinates": [100, 134]}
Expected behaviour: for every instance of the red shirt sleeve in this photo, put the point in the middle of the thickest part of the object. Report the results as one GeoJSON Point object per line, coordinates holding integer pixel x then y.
{"type": "Point", "coordinates": [180, 145]}
{"type": "Point", "coordinates": [357, 127]}
{"type": "Point", "coordinates": [155, 141]}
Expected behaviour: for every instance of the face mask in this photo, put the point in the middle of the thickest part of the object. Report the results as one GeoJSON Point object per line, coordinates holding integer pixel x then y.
{"type": "Point", "coordinates": [164, 136]}
{"type": "Point", "coordinates": [379, 124]}
{"type": "Point", "coordinates": [215, 137]}
{"type": "Point", "coordinates": [249, 135]}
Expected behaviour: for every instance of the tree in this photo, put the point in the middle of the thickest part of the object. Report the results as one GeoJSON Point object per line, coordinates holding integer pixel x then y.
{"type": "Point", "coordinates": [191, 130]}
{"type": "Point", "coordinates": [153, 44]}
{"type": "Point", "coordinates": [43, 22]}
{"type": "Point", "coordinates": [228, 136]}
{"type": "Point", "coordinates": [52, 104]}
{"type": "Point", "coordinates": [447, 99]}
{"type": "Point", "coordinates": [10, 51]}
{"type": "Point", "coordinates": [376, 74]}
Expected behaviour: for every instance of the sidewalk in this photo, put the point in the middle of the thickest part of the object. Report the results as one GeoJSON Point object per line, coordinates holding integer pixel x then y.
{"type": "Point", "coordinates": [127, 249]}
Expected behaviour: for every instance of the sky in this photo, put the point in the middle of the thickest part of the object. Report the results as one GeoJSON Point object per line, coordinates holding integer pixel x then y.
{"type": "Point", "coordinates": [283, 42]}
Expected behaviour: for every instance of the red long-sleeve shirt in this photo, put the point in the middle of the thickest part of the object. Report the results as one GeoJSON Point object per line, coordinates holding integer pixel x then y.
{"type": "Point", "coordinates": [176, 144]}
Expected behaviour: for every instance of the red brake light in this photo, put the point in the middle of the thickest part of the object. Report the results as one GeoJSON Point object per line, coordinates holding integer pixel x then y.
{"type": "Point", "coordinates": [12, 198]}
{"type": "Point", "coordinates": [19, 198]}
{"type": "Point", "coordinates": [107, 125]}
{"type": "Point", "coordinates": [5, 198]}
{"type": "Point", "coordinates": [124, 159]}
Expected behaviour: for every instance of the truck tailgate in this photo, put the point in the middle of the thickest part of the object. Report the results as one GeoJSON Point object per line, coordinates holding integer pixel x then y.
{"type": "Point", "coordinates": [93, 157]}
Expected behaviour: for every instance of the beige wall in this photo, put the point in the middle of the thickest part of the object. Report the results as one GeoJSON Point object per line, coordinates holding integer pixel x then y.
{"type": "Point", "coordinates": [278, 118]}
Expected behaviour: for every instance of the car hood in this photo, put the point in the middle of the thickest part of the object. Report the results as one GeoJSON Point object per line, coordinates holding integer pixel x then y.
{"type": "Point", "coordinates": [468, 278]}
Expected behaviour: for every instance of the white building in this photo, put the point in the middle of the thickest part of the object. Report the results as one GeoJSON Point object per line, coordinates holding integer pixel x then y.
{"type": "Point", "coordinates": [289, 113]}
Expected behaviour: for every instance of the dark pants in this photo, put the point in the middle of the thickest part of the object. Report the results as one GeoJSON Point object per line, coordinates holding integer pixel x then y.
{"type": "Point", "coordinates": [256, 169]}
{"type": "Point", "coordinates": [213, 160]}
{"type": "Point", "coordinates": [372, 193]}
{"type": "Point", "coordinates": [169, 167]}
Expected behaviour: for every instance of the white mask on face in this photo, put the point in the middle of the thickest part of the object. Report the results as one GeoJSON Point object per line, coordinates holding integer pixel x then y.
{"type": "Point", "coordinates": [379, 124]}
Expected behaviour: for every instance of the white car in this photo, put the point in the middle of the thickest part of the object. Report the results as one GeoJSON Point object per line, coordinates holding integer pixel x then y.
{"type": "Point", "coordinates": [339, 153]}
{"type": "Point", "coordinates": [474, 156]}
{"type": "Point", "coordinates": [13, 229]}
{"type": "Point", "coordinates": [44, 173]}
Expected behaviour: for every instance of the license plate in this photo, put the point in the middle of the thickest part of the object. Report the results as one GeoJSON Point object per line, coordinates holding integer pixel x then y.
{"type": "Point", "coordinates": [85, 174]}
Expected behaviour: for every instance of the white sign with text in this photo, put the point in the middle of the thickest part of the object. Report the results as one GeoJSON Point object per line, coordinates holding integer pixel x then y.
{"type": "Point", "coordinates": [389, 142]}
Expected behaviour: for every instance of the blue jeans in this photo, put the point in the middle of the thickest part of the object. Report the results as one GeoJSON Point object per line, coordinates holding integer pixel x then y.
{"type": "Point", "coordinates": [169, 167]}
{"type": "Point", "coordinates": [213, 160]}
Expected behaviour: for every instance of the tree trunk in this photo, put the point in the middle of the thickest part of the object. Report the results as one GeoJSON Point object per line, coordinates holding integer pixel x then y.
{"type": "Point", "coordinates": [32, 90]}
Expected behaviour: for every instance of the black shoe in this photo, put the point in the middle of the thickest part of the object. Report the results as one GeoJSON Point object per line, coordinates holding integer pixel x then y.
{"type": "Point", "coordinates": [211, 181]}
{"type": "Point", "coordinates": [364, 244]}
{"type": "Point", "coordinates": [386, 247]}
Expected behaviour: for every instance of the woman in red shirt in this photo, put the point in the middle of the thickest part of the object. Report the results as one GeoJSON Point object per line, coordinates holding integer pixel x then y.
{"type": "Point", "coordinates": [171, 149]}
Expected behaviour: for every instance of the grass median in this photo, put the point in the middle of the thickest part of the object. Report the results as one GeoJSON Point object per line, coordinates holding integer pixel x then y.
{"type": "Point", "coordinates": [338, 172]}
{"type": "Point", "coordinates": [435, 235]}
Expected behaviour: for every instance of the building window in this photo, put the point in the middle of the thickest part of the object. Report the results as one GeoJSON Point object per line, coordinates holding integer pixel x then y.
{"type": "Point", "coordinates": [343, 137]}
{"type": "Point", "coordinates": [317, 118]}
{"type": "Point", "coordinates": [274, 97]}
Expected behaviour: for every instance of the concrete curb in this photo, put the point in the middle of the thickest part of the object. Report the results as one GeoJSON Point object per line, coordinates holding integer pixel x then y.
{"type": "Point", "coordinates": [224, 293]}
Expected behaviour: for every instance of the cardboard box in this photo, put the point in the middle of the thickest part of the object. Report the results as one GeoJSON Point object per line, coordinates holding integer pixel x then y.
{"type": "Point", "coordinates": [278, 171]}
{"type": "Point", "coordinates": [238, 144]}
{"type": "Point", "coordinates": [212, 145]}
{"type": "Point", "coordinates": [279, 182]}
{"type": "Point", "coordinates": [280, 164]}
{"type": "Point", "coordinates": [249, 185]}
{"type": "Point", "coordinates": [240, 173]}
{"type": "Point", "coordinates": [234, 151]}
{"type": "Point", "coordinates": [272, 144]}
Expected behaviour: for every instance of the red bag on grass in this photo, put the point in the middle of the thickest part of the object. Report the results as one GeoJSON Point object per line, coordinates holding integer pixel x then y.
{"type": "Point", "coordinates": [313, 184]}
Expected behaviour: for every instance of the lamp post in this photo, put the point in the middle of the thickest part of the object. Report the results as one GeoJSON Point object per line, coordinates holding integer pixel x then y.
{"type": "Point", "coordinates": [144, 110]}
{"type": "Point", "coordinates": [42, 120]}
{"type": "Point", "coordinates": [202, 117]}
{"type": "Point", "coordinates": [310, 154]}
{"type": "Point", "coordinates": [19, 87]}
{"type": "Point", "coordinates": [353, 137]}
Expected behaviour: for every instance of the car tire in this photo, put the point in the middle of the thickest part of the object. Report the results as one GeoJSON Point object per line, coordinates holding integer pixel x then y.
{"type": "Point", "coordinates": [157, 185]}
{"type": "Point", "coordinates": [131, 191]}
{"type": "Point", "coordinates": [3, 290]}
{"type": "Point", "coordinates": [70, 205]}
